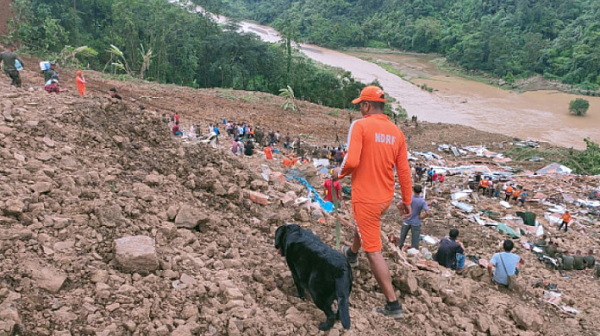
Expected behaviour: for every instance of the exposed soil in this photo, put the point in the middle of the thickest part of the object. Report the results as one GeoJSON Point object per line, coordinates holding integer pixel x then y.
{"type": "Point", "coordinates": [77, 175]}
{"type": "Point", "coordinates": [5, 14]}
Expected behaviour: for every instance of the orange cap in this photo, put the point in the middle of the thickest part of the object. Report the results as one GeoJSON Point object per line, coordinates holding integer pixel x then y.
{"type": "Point", "coordinates": [370, 93]}
{"type": "Point", "coordinates": [79, 72]}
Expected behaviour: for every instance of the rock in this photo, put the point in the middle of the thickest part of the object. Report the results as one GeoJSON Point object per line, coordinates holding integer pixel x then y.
{"type": "Point", "coordinates": [172, 212]}
{"type": "Point", "coordinates": [233, 293]}
{"type": "Point", "coordinates": [527, 318]}
{"type": "Point", "coordinates": [189, 218]}
{"type": "Point", "coordinates": [46, 277]}
{"type": "Point", "coordinates": [129, 325]}
{"type": "Point", "coordinates": [111, 215]}
{"type": "Point", "coordinates": [483, 322]}
{"type": "Point", "coordinates": [188, 280]}
{"type": "Point", "coordinates": [407, 283]}
{"type": "Point", "coordinates": [42, 187]}
{"type": "Point", "coordinates": [136, 253]}
{"type": "Point", "coordinates": [113, 307]}
{"type": "Point", "coordinates": [316, 214]}
{"type": "Point", "coordinates": [48, 142]}
{"type": "Point", "coordinates": [153, 180]}
{"type": "Point", "coordinates": [13, 207]}
{"type": "Point", "coordinates": [182, 330]}
{"type": "Point", "coordinates": [65, 245]}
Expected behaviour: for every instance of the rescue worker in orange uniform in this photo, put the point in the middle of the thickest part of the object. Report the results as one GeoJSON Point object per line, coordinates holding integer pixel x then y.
{"type": "Point", "coordinates": [375, 147]}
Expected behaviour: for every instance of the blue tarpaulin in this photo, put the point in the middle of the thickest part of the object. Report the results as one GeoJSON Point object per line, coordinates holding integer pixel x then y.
{"type": "Point", "coordinates": [314, 195]}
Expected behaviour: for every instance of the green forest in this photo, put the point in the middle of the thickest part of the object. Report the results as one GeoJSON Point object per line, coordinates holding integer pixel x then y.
{"type": "Point", "coordinates": [163, 42]}
{"type": "Point", "coordinates": [507, 38]}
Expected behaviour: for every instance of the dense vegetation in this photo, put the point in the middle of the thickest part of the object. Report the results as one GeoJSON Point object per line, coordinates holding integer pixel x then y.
{"type": "Point", "coordinates": [186, 49]}
{"type": "Point", "coordinates": [509, 38]}
{"type": "Point", "coordinates": [579, 106]}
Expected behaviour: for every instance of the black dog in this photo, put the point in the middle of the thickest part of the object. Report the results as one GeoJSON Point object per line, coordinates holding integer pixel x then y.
{"type": "Point", "coordinates": [319, 269]}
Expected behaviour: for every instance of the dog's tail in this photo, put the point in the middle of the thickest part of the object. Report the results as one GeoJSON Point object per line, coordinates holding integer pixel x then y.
{"type": "Point", "coordinates": [342, 292]}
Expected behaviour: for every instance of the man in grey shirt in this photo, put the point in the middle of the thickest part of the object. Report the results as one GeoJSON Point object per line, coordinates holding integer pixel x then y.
{"type": "Point", "coordinates": [420, 211]}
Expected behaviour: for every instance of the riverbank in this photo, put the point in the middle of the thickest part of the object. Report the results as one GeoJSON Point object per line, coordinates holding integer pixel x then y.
{"type": "Point", "coordinates": [533, 83]}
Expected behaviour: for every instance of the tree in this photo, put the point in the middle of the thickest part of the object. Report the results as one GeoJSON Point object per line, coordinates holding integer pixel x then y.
{"type": "Point", "coordinates": [579, 106]}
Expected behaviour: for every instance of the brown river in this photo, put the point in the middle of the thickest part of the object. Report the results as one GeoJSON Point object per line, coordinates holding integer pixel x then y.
{"type": "Point", "coordinates": [537, 115]}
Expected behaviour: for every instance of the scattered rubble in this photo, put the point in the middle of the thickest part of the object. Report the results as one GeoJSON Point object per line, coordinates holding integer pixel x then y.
{"type": "Point", "coordinates": [109, 226]}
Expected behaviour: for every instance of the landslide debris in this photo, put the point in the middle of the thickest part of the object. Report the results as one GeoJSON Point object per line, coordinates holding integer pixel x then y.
{"type": "Point", "coordinates": [110, 226]}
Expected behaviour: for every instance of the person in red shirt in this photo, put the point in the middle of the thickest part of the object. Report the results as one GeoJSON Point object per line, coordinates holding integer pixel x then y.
{"type": "Point", "coordinates": [176, 117]}
{"type": "Point", "coordinates": [287, 162]}
{"type": "Point", "coordinates": [434, 177]}
{"type": "Point", "coordinates": [176, 131]}
{"type": "Point", "coordinates": [375, 147]}
{"type": "Point", "coordinates": [327, 187]}
{"type": "Point", "coordinates": [440, 178]}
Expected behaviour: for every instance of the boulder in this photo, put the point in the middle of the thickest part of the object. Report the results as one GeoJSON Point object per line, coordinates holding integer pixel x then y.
{"type": "Point", "coordinates": [188, 217]}
{"type": "Point", "coordinates": [46, 277]}
{"type": "Point", "coordinates": [527, 318]}
{"type": "Point", "coordinates": [136, 253]}
{"type": "Point", "coordinates": [110, 215]}
{"type": "Point", "coordinates": [42, 187]}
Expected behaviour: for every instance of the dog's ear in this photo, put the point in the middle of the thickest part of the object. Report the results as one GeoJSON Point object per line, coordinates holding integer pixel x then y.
{"type": "Point", "coordinates": [280, 237]}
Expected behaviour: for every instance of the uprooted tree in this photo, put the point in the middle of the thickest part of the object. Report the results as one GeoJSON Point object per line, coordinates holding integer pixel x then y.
{"type": "Point", "coordinates": [579, 106]}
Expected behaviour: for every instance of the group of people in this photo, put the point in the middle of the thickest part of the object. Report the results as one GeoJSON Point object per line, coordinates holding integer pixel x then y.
{"type": "Point", "coordinates": [432, 175]}
{"type": "Point", "coordinates": [577, 262]}
{"type": "Point", "coordinates": [510, 192]}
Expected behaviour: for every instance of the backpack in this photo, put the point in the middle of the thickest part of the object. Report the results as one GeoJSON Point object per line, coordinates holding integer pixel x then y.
{"type": "Point", "coordinates": [511, 280]}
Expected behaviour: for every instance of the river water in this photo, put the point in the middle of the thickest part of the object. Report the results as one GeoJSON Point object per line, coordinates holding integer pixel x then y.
{"type": "Point", "coordinates": [539, 115]}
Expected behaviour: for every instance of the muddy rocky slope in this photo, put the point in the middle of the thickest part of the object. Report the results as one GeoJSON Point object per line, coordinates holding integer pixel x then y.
{"type": "Point", "coordinates": [79, 176]}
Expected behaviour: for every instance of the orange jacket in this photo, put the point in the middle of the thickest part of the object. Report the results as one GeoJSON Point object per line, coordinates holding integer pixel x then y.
{"type": "Point", "coordinates": [287, 162]}
{"type": "Point", "coordinates": [516, 193]}
{"type": "Point", "coordinates": [566, 217]}
{"type": "Point", "coordinates": [268, 153]}
{"type": "Point", "coordinates": [375, 147]}
{"type": "Point", "coordinates": [509, 190]}
{"type": "Point", "coordinates": [483, 183]}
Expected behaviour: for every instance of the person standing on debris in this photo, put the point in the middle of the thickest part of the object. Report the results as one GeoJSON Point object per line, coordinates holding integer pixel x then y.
{"type": "Point", "coordinates": [490, 187]}
{"type": "Point", "coordinates": [578, 263]}
{"type": "Point", "coordinates": [339, 156]}
{"type": "Point", "coordinates": [434, 177]}
{"type": "Point", "coordinates": [566, 219]}
{"type": "Point", "coordinates": [375, 147]}
{"type": "Point", "coordinates": [523, 198]}
{"type": "Point", "coordinates": [9, 59]}
{"type": "Point", "coordinates": [498, 189]}
{"type": "Point", "coordinates": [49, 73]}
{"type": "Point", "coordinates": [516, 194]}
{"type": "Point", "coordinates": [504, 264]}
{"type": "Point", "coordinates": [327, 187]}
{"type": "Point", "coordinates": [80, 81]}
{"type": "Point", "coordinates": [508, 192]}
{"type": "Point", "coordinates": [419, 211]}
{"type": "Point", "coordinates": [450, 252]}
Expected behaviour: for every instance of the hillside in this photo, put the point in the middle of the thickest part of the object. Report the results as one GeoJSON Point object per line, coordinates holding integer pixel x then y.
{"type": "Point", "coordinates": [77, 175]}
